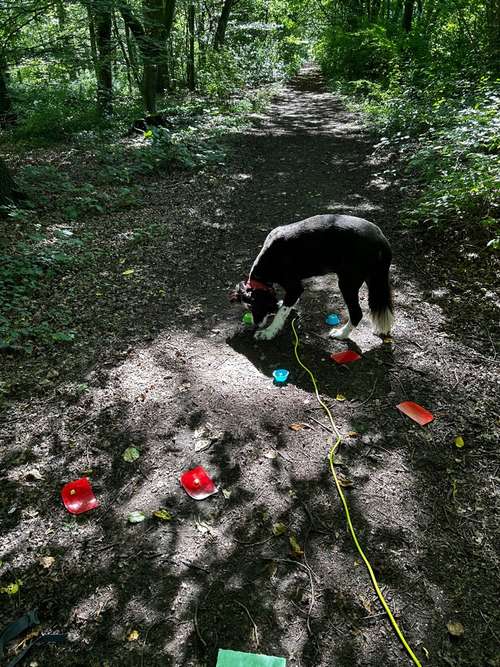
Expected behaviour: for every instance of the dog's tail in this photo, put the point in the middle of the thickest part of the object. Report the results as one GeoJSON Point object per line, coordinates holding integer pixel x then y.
{"type": "Point", "coordinates": [380, 295]}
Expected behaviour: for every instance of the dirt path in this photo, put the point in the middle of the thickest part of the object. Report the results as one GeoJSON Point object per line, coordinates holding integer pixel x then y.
{"type": "Point", "coordinates": [163, 364]}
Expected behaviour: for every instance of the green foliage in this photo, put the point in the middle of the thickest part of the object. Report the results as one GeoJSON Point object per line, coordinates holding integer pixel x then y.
{"type": "Point", "coordinates": [53, 111]}
{"type": "Point", "coordinates": [25, 268]}
{"type": "Point", "coordinates": [449, 141]}
{"type": "Point", "coordinates": [429, 92]}
{"type": "Point", "coordinates": [367, 53]}
{"type": "Point", "coordinates": [459, 169]}
{"type": "Point", "coordinates": [256, 54]}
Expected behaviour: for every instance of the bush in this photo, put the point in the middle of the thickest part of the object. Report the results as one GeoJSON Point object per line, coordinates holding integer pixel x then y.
{"type": "Point", "coordinates": [367, 53]}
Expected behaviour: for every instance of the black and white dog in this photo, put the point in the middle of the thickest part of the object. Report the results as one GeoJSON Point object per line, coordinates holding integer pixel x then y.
{"type": "Point", "coordinates": [353, 248]}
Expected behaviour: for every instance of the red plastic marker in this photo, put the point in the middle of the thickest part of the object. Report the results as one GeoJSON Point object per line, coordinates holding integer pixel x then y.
{"type": "Point", "coordinates": [78, 496]}
{"type": "Point", "coordinates": [415, 412]}
{"type": "Point", "coordinates": [345, 357]}
{"type": "Point", "coordinates": [197, 483]}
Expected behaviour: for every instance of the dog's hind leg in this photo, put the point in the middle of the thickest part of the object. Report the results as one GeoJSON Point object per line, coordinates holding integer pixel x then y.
{"type": "Point", "coordinates": [349, 286]}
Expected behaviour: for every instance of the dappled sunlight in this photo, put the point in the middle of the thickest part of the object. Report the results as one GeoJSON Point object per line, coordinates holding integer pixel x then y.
{"type": "Point", "coordinates": [178, 377]}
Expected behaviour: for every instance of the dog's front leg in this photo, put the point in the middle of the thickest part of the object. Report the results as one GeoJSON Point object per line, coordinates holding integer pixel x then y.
{"type": "Point", "coordinates": [292, 294]}
{"type": "Point", "coordinates": [276, 325]}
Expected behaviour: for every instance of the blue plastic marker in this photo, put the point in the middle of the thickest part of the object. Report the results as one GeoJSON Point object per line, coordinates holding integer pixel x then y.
{"type": "Point", "coordinates": [333, 319]}
{"type": "Point", "coordinates": [280, 376]}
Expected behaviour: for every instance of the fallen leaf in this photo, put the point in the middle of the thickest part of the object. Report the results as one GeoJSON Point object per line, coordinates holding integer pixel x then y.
{"type": "Point", "coordinates": [295, 545]}
{"type": "Point", "coordinates": [272, 568]}
{"type": "Point", "coordinates": [206, 436]}
{"type": "Point", "coordinates": [340, 397]}
{"type": "Point", "coordinates": [352, 434]}
{"type": "Point", "coordinates": [297, 427]}
{"type": "Point", "coordinates": [459, 442]}
{"type": "Point", "coordinates": [13, 588]}
{"type": "Point", "coordinates": [270, 454]}
{"type": "Point", "coordinates": [455, 628]}
{"type": "Point", "coordinates": [128, 272]}
{"type": "Point", "coordinates": [226, 493]}
{"type": "Point", "coordinates": [131, 454]}
{"type": "Point", "coordinates": [279, 528]}
{"type": "Point", "coordinates": [203, 526]}
{"type": "Point", "coordinates": [345, 482]}
{"type": "Point", "coordinates": [136, 517]}
{"type": "Point", "coordinates": [47, 561]}
{"type": "Point", "coordinates": [163, 515]}
{"type": "Point", "coordinates": [133, 636]}
{"type": "Point", "coordinates": [367, 605]}
{"type": "Point", "coordinates": [200, 445]}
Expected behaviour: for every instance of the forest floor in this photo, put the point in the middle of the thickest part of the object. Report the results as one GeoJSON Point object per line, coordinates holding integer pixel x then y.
{"type": "Point", "coordinates": [161, 362]}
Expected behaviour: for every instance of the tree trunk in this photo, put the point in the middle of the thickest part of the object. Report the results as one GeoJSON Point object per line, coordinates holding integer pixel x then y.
{"type": "Point", "coordinates": [5, 98]}
{"type": "Point", "coordinates": [128, 67]}
{"type": "Point", "coordinates": [220, 33]}
{"type": "Point", "coordinates": [61, 14]}
{"type": "Point", "coordinates": [408, 15]}
{"type": "Point", "coordinates": [147, 38]}
{"type": "Point", "coordinates": [191, 76]}
{"type": "Point", "coordinates": [9, 192]}
{"type": "Point", "coordinates": [200, 32]}
{"type": "Point", "coordinates": [493, 19]}
{"type": "Point", "coordinates": [104, 44]}
{"type": "Point", "coordinates": [163, 74]}
{"type": "Point", "coordinates": [93, 46]}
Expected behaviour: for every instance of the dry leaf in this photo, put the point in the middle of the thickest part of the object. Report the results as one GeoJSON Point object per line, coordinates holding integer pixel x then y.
{"type": "Point", "coordinates": [345, 482]}
{"type": "Point", "coordinates": [455, 628]}
{"type": "Point", "coordinates": [367, 605]}
{"type": "Point", "coordinates": [279, 528]}
{"type": "Point", "coordinates": [270, 454]}
{"type": "Point", "coordinates": [47, 561]}
{"type": "Point", "coordinates": [295, 545]}
{"type": "Point", "coordinates": [297, 427]}
{"type": "Point", "coordinates": [133, 636]}
{"type": "Point", "coordinates": [340, 397]}
{"type": "Point", "coordinates": [352, 434]}
{"type": "Point", "coordinates": [226, 493]}
{"type": "Point", "coordinates": [459, 442]}
{"type": "Point", "coordinates": [272, 568]}
{"type": "Point", "coordinates": [203, 527]}
{"type": "Point", "coordinates": [163, 515]}
{"type": "Point", "coordinates": [128, 272]}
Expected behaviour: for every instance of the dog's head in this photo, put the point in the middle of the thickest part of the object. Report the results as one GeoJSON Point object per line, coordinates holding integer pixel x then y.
{"type": "Point", "coordinates": [260, 300]}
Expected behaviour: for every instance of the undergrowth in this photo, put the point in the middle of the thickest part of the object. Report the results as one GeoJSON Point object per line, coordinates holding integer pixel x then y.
{"type": "Point", "coordinates": [447, 134]}
{"type": "Point", "coordinates": [39, 245]}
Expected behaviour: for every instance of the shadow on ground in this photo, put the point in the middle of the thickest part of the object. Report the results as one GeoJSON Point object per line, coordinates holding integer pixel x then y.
{"type": "Point", "coordinates": [164, 366]}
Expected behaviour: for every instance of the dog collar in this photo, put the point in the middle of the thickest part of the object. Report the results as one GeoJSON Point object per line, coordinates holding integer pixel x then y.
{"type": "Point", "coordinates": [256, 284]}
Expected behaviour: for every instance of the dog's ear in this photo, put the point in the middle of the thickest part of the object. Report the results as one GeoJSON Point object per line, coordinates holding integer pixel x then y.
{"type": "Point", "coordinates": [241, 293]}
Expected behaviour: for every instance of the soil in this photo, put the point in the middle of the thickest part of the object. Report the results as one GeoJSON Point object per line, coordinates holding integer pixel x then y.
{"type": "Point", "coordinates": [163, 363]}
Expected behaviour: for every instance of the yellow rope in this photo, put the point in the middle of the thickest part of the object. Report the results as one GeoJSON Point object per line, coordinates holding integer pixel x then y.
{"type": "Point", "coordinates": [331, 456]}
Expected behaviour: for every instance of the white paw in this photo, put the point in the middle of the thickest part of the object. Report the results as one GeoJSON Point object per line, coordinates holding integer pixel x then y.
{"type": "Point", "coordinates": [343, 333]}
{"type": "Point", "coordinates": [265, 334]}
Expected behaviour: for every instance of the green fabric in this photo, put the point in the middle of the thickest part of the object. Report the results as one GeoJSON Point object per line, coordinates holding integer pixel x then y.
{"type": "Point", "coordinates": [236, 659]}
